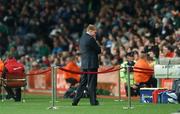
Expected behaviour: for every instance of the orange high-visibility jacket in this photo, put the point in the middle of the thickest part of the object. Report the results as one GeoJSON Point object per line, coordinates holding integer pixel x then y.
{"type": "Point", "coordinates": [74, 67]}
{"type": "Point", "coordinates": [1, 66]}
{"type": "Point", "coordinates": [142, 77]}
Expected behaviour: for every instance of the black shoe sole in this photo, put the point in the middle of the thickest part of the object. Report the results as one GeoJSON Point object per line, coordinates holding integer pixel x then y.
{"type": "Point", "coordinates": [74, 104]}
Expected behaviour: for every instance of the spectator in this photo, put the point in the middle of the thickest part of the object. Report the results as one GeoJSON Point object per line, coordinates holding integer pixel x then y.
{"type": "Point", "coordinates": [71, 78]}
{"type": "Point", "coordinates": [60, 23]}
{"type": "Point", "coordinates": [177, 53]}
{"type": "Point", "coordinates": [145, 78]}
{"type": "Point", "coordinates": [168, 51]}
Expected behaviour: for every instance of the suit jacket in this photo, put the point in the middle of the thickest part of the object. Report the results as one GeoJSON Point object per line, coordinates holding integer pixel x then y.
{"type": "Point", "coordinates": [89, 51]}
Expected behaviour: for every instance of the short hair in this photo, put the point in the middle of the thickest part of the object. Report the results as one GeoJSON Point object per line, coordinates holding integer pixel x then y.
{"type": "Point", "coordinates": [130, 54]}
{"type": "Point", "coordinates": [170, 48]}
{"type": "Point", "coordinates": [91, 27]}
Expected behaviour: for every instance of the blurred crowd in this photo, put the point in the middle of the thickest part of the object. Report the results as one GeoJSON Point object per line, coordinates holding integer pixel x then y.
{"type": "Point", "coordinates": [45, 32]}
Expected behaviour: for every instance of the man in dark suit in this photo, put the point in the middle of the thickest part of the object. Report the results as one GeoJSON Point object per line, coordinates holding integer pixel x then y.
{"type": "Point", "coordinates": [89, 51]}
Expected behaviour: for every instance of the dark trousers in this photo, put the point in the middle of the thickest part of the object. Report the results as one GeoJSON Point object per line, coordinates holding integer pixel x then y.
{"type": "Point", "coordinates": [134, 92]}
{"type": "Point", "coordinates": [178, 97]}
{"type": "Point", "coordinates": [14, 93]}
{"type": "Point", "coordinates": [89, 81]}
{"type": "Point", "coordinates": [72, 81]}
{"type": "Point", "coordinates": [151, 83]}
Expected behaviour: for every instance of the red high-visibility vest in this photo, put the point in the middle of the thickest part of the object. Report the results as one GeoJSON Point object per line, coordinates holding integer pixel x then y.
{"type": "Point", "coordinates": [13, 66]}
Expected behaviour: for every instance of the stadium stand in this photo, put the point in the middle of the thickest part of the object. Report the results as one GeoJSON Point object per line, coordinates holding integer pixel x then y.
{"type": "Point", "coordinates": [43, 30]}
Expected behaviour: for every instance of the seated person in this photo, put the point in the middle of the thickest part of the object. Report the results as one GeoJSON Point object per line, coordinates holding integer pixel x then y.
{"type": "Point", "coordinates": [71, 78]}
{"type": "Point", "coordinates": [11, 65]}
{"type": "Point", "coordinates": [124, 75]}
{"type": "Point", "coordinates": [143, 78]}
{"type": "Point", "coordinates": [1, 66]}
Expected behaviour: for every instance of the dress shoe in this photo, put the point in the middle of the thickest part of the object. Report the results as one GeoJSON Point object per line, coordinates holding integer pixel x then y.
{"type": "Point", "coordinates": [17, 99]}
{"type": "Point", "coordinates": [95, 104]}
{"type": "Point", "coordinates": [74, 104]}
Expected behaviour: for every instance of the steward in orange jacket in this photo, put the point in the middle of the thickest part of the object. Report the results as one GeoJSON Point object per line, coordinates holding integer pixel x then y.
{"type": "Point", "coordinates": [1, 66]}
{"type": "Point", "coordinates": [1, 69]}
{"type": "Point", "coordinates": [144, 77]}
{"type": "Point", "coordinates": [71, 78]}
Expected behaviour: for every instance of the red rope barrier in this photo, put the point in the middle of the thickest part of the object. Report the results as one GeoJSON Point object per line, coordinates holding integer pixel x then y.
{"type": "Point", "coordinates": [143, 71]}
{"type": "Point", "coordinates": [75, 72]}
{"type": "Point", "coordinates": [138, 68]}
{"type": "Point", "coordinates": [40, 72]}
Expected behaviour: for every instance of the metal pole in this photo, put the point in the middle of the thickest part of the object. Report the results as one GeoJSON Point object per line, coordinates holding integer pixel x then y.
{"type": "Point", "coordinates": [55, 83]}
{"type": "Point", "coordinates": [129, 89]}
{"type": "Point", "coordinates": [23, 95]}
{"type": "Point", "coordinates": [119, 86]}
{"type": "Point", "coordinates": [168, 68]}
{"type": "Point", "coordinates": [24, 88]}
{"type": "Point", "coordinates": [53, 80]}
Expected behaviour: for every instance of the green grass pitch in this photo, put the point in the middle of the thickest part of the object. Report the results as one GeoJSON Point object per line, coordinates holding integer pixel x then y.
{"type": "Point", "coordinates": [38, 104]}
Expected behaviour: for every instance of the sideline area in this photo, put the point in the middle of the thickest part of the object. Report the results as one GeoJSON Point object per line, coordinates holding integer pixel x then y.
{"type": "Point", "coordinates": [38, 104]}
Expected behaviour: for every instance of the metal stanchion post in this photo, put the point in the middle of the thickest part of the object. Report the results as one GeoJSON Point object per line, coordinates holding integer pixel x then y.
{"type": "Point", "coordinates": [24, 89]}
{"type": "Point", "coordinates": [23, 95]}
{"type": "Point", "coordinates": [53, 77]}
{"type": "Point", "coordinates": [168, 66]}
{"type": "Point", "coordinates": [129, 90]}
{"type": "Point", "coordinates": [2, 92]}
{"type": "Point", "coordinates": [119, 87]}
{"type": "Point", "coordinates": [55, 83]}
